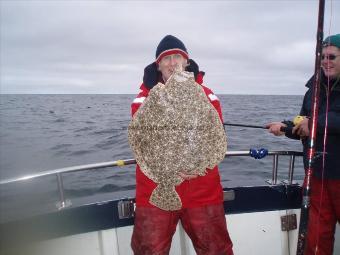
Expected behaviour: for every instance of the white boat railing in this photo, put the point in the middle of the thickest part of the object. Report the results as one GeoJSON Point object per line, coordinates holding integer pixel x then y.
{"type": "Point", "coordinates": [63, 203]}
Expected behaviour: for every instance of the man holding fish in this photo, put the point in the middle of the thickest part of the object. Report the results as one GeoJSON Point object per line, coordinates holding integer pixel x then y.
{"type": "Point", "coordinates": [178, 139]}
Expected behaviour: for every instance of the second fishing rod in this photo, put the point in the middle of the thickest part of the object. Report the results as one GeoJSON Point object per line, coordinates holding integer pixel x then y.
{"type": "Point", "coordinates": [288, 128]}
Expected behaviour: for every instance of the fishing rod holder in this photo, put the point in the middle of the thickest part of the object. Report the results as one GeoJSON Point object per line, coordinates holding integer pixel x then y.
{"type": "Point", "coordinates": [126, 208]}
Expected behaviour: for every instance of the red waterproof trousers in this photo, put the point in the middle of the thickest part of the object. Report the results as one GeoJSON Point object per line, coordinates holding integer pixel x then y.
{"type": "Point", "coordinates": [324, 213]}
{"type": "Point", "coordinates": [206, 226]}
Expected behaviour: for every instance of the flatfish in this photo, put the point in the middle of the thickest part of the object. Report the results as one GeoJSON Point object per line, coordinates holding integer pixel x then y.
{"type": "Point", "coordinates": [175, 130]}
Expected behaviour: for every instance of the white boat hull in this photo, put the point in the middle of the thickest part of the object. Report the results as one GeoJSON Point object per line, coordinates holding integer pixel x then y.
{"type": "Point", "coordinates": [252, 233]}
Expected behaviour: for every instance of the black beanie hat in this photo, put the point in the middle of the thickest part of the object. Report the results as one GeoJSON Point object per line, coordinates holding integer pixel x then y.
{"type": "Point", "coordinates": [170, 45]}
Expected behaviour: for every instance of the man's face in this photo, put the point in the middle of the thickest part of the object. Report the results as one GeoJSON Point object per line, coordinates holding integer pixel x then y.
{"type": "Point", "coordinates": [168, 64]}
{"type": "Point", "coordinates": [331, 61]}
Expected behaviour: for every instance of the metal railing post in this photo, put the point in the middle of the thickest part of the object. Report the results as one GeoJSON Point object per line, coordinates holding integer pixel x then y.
{"type": "Point", "coordinates": [275, 166]}
{"type": "Point", "coordinates": [291, 169]}
{"type": "Point", "coordinates": [62, 203]}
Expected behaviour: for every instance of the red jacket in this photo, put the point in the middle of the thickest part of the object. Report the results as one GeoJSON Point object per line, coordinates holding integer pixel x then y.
{"type": "Point", "coordinates": [203, 190]}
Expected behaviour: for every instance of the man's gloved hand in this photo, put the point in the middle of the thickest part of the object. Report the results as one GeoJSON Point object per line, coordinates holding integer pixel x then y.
{"type": "Point", "coordinates": [151, 75]}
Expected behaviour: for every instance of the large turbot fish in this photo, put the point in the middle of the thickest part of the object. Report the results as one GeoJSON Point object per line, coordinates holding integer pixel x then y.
{"type": "Point", "coordinates": [176, 130]}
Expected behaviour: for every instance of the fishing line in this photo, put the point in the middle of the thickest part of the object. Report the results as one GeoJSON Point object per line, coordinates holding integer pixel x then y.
{"type": "Point", "coordinates": [328, 92]}
{"type": "Point", "coordinates": [323, 163]}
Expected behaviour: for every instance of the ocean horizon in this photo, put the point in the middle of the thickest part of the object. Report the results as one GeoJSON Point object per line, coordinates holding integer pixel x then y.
{"type": "Point", "coordinates": [42, 132]}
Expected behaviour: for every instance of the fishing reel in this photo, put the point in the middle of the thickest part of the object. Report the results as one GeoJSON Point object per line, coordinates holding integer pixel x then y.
{"type": "Point", "coordinates": [297, 120]}
{"type": "Point", "coordinates": [291, 124]}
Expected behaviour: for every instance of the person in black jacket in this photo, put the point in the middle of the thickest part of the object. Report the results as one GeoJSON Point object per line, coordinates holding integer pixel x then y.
{"type": "Point", "coordinates": [324, 210]}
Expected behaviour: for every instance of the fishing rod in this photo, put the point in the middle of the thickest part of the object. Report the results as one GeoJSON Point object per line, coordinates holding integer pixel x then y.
{"type": "Point", "coordinates": [282, 129]}
{"type": "Point", "coordinates": [243, 125]}
{"type": "Point", "coordinates": [224, 124]}
{"type": "Point", "coordinates": [306, 192]}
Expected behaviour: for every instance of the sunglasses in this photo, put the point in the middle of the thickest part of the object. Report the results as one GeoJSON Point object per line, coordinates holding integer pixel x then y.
{"type": "Point", "coordinates": [329, 57]}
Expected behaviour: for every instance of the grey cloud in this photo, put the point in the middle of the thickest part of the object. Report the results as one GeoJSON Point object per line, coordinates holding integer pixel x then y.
{"type": "Point", "coordinates": [103, 46]}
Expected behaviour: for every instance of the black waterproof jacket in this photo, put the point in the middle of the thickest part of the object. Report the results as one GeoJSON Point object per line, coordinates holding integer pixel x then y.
{"type": "Point", "coordinates": [332, 160]}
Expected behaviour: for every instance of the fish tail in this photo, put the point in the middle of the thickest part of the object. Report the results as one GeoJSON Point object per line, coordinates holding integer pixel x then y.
{"type": "Point", "coordinates": [166, 198]}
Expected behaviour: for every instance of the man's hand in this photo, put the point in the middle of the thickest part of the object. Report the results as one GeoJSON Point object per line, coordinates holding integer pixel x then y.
{"type": "Point", "coordinates": [302, 129]}
{"type": "Point", "coordinates": [275, 128]}
{"type": "Point", "coordinates": [186, 176]}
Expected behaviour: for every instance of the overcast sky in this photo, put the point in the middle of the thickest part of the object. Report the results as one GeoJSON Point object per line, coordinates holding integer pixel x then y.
{"type": "Point", "coordinates": [96, 47]}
